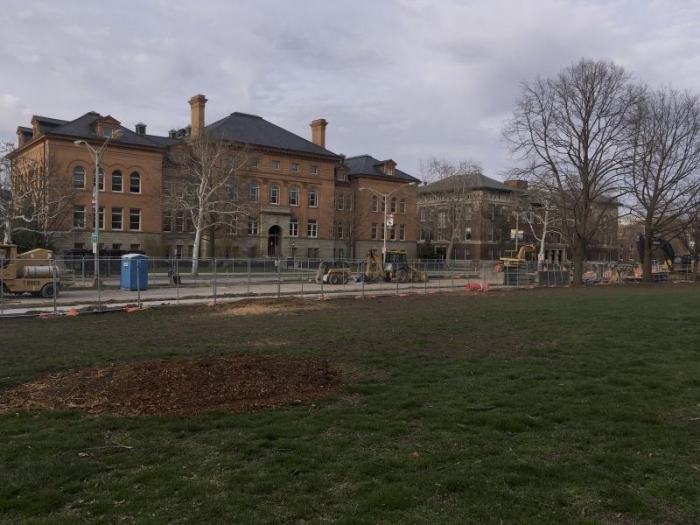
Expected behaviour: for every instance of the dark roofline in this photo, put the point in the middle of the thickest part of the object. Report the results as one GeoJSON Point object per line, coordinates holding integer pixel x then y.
{"type": "Point", "coordinates": [49, 120]}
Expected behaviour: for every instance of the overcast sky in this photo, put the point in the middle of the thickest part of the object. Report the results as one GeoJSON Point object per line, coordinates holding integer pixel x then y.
{"type": "Point", "coordinates": [400, 79]}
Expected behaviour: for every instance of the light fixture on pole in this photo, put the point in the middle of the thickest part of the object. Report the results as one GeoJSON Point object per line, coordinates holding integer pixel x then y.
{"type": "Point", "coordinates": [96, 155]}
{"type": "Point", "coordinates": [385, 201]}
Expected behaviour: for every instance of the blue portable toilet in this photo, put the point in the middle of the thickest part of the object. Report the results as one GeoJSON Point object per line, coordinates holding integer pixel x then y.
{"type": "Point", "coordinates": [134, 272]}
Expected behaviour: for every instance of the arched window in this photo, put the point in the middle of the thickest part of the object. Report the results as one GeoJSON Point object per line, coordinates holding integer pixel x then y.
{"type": "Point", "coordinates": [117, 184]}
{"type": "Point", "coordinates": [254, 192]}
{"type": "Point", "coordinates": [79, 177]}
{"type": "Point", "coordinates": [294, 196]}
{"type": "Point", "coordinates": [134, 182]}
{"type": "Point", "coordinates": [274, 194]}
{"type": "Point", "coordinates": [313, 198]}
{"type": "Point", "coordinates": [393, 205]}
{"type": "Point", "coordinates": [232, 190]}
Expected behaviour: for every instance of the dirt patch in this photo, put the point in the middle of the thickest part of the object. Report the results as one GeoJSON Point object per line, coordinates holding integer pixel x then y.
{"type": "Point", "coordinates": [234, 383]}
{"type": "Point", "coordinates": [281, 306]}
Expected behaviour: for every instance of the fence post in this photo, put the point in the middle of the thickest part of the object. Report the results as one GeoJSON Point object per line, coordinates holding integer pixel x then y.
{"type": "Point", "coordinates": [138, 283]}
{"type": "Point", "coordinates": [249, 276]}
{"type": "Point", "coordinates": [301, 275]}
{"type": "Point", "coordinates": [177, 281]}
{"type": "Point", "coordinates": [98, 278]}
{"type": "Point", "coordinates": [279, 277]}
{"type": "Point", "coordinates": [214, 280]}
{"type": "Point", "coordinates": [54, 274]}
{"type": "Point", "coordinates": [364, 278]}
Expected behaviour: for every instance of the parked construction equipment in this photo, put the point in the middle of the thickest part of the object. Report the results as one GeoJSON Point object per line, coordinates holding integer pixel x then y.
{"type": "Point", "coordinates": [394, 267]}
{"type": "Point", "coordinates": [31, 272]}
{"type": "Point", "coordinates": [518, 259]}
{"type": "Point", "coordinates": [333, 272]}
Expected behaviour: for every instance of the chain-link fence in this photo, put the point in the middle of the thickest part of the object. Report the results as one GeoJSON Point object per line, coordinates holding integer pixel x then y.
{"type": "Point", "coordinates": [125, 283]}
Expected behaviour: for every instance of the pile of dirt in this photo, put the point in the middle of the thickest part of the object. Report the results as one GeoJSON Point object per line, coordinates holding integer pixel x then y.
{"type": "Point", "coordinates": [233, 383]}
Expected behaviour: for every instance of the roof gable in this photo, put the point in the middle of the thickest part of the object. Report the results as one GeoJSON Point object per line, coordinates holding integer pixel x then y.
{"type": "Point", "coordinates": [256, 131]}
{"type": "Point", "coordinates": [473, 181]}
{"type": "Point", "coordinates": [85, 127]}
{"type": "Point", "coordinates": [368, 166]}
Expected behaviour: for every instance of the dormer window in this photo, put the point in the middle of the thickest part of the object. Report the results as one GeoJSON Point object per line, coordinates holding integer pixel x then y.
{"type": "Point", "coordinates": [389, 171]}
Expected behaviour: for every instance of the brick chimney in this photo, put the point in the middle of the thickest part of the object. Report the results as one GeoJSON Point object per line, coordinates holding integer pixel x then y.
{"type": "Point", "coordinates": [197, 104]}
{"type": "Point", "coordinates": [318, 132]}
{"type": "Point", "coordinates": [516, 184]}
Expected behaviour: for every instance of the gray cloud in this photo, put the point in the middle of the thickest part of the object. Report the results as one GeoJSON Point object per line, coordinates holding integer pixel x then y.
{"type": "Point", "coordinates": [405, 79]}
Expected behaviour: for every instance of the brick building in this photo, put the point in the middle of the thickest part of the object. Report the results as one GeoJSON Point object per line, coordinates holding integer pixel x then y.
{"type": "Point", "coordinates": [300, 199]}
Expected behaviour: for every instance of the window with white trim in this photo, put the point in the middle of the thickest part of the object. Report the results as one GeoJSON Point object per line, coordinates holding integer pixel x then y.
{"type": "Point", "coordinates": [134, 219]}
{"type": "Point", "coordinates": [79, 177]}
{"type": "Point", "coordinates": [117, 218]}
{"type": "Point", "coordinates": [254, 192]}
{"type": "Point", "coordinates": [312, 228]}
{"type": "Point", "coordinates": [274, 194]}
{"type": "Point", "coordinates": [117, 181]}
{"type": "Point", "coordinates": [294, 227]}
{"type": "Point", "coordinates": [313, 198]}
{"type": "Point", "coordinates": [135, 182]}
{"type": "Point", "coordinates": [78, 216]}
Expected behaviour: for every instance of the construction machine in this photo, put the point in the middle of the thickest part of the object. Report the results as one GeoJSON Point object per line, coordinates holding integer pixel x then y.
{"type": "Point", "coordinates": [519, 259]}
{"type": "Point", "coordinates": [394, 267]}
{"type": "Point", "coordinates": [32, 272]}
{"type": "Point", "coordinates": [333, 272]}
{"type": "Point", "coordinates": [659, 272]}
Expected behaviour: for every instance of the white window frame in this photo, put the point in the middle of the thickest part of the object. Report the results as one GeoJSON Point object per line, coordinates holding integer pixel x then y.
{"type": "Point", "coordinates": [79, 173]}
{"type": "Point", "coordinates": [117, 211]}
{"type": "Point", "coordinates": [312, 228]}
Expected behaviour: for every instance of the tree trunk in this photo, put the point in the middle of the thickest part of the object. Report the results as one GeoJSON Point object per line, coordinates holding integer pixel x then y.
{"type": "Point", "coordinates": [195, 250]}
{"type": "Point", "coordinates": [540, 256]}
{"type": "Point", "coordinates": [7, 237]}
{"type": "Point", "coordinates": [578, 266]}
{"type": "Point", "coordinates": [646, 262]}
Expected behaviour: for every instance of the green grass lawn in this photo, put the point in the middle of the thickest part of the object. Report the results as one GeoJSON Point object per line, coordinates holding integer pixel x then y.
{"type": "Point", "coordinates": [536, 406]}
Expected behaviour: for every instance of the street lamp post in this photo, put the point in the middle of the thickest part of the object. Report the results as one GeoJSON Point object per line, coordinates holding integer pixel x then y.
{"type": "Point", "coordinates": [385, 200]}
{"type": "Point", "coordinates": [96, 155]}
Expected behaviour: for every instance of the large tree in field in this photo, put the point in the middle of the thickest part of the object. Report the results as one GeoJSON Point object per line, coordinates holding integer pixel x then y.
{"type": "Point", "coordinates": [664, 175]}
{"type": "Point", "coordinates": [571, 134]}
{"type": "Point", "coordinates": [451, 185]}
{"type": "Point", "coordinates": [208, 171]}
{"type": "Point", "coordinates": [35, 203]}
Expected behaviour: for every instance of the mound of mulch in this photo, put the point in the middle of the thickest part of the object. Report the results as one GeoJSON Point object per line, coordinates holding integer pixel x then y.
{"type": "Point", "coordinates": [233, 383]}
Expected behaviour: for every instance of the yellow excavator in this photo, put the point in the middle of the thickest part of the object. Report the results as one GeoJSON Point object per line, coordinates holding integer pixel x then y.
{"type": "Point", "coordinates": [519, 259]}
{"type": "Point", "coordinates": [394, 267]}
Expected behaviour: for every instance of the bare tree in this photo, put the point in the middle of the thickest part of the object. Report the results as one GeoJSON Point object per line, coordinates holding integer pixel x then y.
{"type": "Point", "coordinates": [571, 133]}
{"type": "Point", "coordinates": [664, 176]}
{"type": "Point", "coordinates": [540, 216]}
{"type": "Point", "coordinates": [689, 237]}
{"type": "Point", "coordinates": [34, 200]}
{"type": "Point", "coordinates": [451, 185]}
{"type": "Point", "coordinates": [208, 172]}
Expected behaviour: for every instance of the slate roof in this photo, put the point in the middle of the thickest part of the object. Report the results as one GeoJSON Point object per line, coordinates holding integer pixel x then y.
{"type": "Point", "coordinates": [475, 181]}
{"type": "Point", "coordinates": [370, 167]}
{"type": "Point", "coordinates": [256, 131]}
{"type": "Point", "coordinates": [83, 127]}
